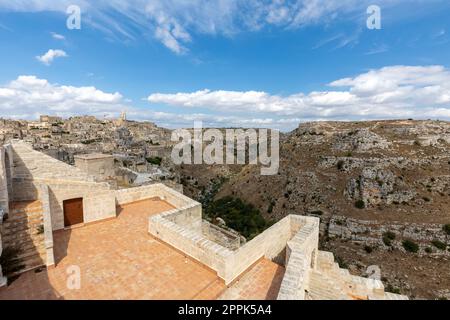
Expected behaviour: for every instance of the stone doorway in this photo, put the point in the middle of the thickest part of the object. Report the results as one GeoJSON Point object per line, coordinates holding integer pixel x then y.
{"type": "Point", "coordinates": [73, 212]}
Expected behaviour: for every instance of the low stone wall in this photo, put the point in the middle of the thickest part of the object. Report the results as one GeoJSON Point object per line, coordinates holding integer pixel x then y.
{"type": "Point", "coordinates": [301, 257]}
{"type": "Point", "coordinates": [3, 182]}
{"type": "Point", "coordinates": [178, 228]}
{"type": "Point", "coordinates": [223, 237]}
{"type": "Point", "coordinates": [125, 196]}
{"type": "Point", "coordinates": [48, 228]}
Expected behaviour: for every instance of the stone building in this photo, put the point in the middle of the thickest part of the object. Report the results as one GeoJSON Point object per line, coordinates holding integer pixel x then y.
{"type": "Point", "coordinates": [148, 242]}
{"type": "Point", "coordinates": [98, 165]}
{"type": "Point", "coordinates": [50, 119]}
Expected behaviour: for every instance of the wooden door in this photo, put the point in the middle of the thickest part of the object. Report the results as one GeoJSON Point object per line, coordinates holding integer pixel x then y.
{"type": "Point", "coordinates": [73, 212]}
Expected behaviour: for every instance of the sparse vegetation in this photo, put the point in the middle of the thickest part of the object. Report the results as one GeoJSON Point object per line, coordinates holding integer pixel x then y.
{"type": "Point", "coordinates": [410, 246]}
{"type": "Point", "coordinates": [340, 164]}
{"type": "Point", "coordinates": [271, 206]}
{"type": "Point", "coordinates": [154, 160]}
{"type": "Point", "coordinates": [368, 249]}
{"type": "Point", "coordinates": [392, 289]}
{"type": "Point", "coordinates": [40, 229]}
{"type": "Point", "coordinates": [388, 237]}
{"type": "Point", "coordinates": [238, 215]}
{"type": "Point", "coordinates": [360, 204]}
{"type": "Point", "coordinates": [446, 229]}
{"type": "Point", "coordinates": [439, 244]}
{"type": "Point", "coordinates": [342, 264]}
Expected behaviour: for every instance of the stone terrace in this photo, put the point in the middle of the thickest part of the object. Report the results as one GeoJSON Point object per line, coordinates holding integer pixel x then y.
{"type": "Point", "coordinates": [118, 259]}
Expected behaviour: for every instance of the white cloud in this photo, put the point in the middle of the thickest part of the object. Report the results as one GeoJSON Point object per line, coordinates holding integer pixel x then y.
{"type": "Point", "coordinates": [58, 36]}
{"type": "Point", "coordinates": [29, 95]}
{"type": "Point", "coordinates": [51, 55]}
{"type": "Point", "coordinates": [390, 92]}
{"type": "Point", "coordinates": [419, 92]}
{"type": "Point", "coordinates": [175, 22]}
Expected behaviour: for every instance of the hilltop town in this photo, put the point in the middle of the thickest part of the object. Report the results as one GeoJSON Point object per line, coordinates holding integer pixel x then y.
{"type": "Point", "coordinates": [138, 147]}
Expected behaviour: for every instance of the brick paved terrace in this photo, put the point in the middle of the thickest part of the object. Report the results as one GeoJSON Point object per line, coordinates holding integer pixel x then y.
{"type": "Point", "coordinates": [118, 259]}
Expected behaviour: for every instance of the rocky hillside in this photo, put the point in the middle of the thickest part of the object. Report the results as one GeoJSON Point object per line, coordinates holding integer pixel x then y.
{"type": "Point", "coordinates": [381, 189]}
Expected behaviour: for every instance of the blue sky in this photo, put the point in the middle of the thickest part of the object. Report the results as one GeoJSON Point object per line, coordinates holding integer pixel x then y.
{"type": "Point", "coordinates": [227, 62]}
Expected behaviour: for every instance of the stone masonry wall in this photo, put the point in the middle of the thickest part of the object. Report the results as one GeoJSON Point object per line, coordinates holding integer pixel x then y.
{"type": "Point", "coordinates": [3, 182]}
{"type": "Point", "coordinates": [98, 204]}
{"type": "Point", "coordinates": [301, 257]}
{"type": "Point", "coordinates": [175, 228]}
{"type": "Point", "coordinates": [32, 169]}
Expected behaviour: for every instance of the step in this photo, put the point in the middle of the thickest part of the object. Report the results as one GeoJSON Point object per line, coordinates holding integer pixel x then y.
{"type": "Point", "coordinates": [29, 264]}
{"type": "Point", "coordinates": [29, 230]}
{"type": "Point", "coordinates": [24, 215]}
{"type": "Point", "coordinates": [25, 205]}
{"type": "Point", "coordinates": [23, 237]}
{"type": "Point", "coordinates": [31, 246]}
{"type": "Point", "coordinates": [13, 242]}
{"type": "Point", "coordinates": [25, 219]}
{"type": "Point", "coordinates": [25, 255]}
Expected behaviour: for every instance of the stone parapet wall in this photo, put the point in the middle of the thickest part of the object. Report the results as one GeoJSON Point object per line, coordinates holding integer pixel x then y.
{"type": "Point", "coordinates": [5, 181]}
{"type": "Point", "coordinates": [48, 228]}
{"type": "Point", "coordinates": [301, 257]}
{"type": "Point", "coordinates": [130, 195]}
{"type": "Point", "coordinates": [222, 236]}
{"type": "Point", "coordinates": [178, 228]}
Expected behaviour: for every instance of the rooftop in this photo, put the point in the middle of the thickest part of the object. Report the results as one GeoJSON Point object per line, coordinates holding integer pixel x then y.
{"type": "Point", "coordinates": [118, 259]}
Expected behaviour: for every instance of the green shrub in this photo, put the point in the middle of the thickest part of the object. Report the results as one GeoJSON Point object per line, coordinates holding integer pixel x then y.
{"type": "Point", "coordinates": [426, 199]}
{"type": "Point", "coordinates": [446, 229]}
{"type": "Point", "coordinates": [340, 164]}
{"type": "Point", "coordinates": [360, 204]}
{"type": "Point", "coordinates": [439, 244]}
{"type": "Point", "coordinates": [368, 249]}
{"type": "Point", "coordinates": [388, 237]}
{"type": "Point", "coordinates": [387, 241]}
{"type": "Point", "coordinates": [238, 215]}
{"type": "Point", "coordinates": [155, 160]}
{"type": "Point", "coordinates": [391, 289]}
{"type": "Point", "coordinates": [271, 206]}
{"type": "Point", "coordinates": [389, 234]}
{"type": "Point", "coordinates": [428, 250]}
{"type": "Point", "coordinates": [40, 229]}
{"type": "Point", "coordinates": [410, 246]}
{"type": "Point", "coordinates": [342, 264]}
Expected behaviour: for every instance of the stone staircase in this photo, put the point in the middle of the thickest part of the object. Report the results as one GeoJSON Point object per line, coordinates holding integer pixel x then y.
{"type": "Point", "coordinates": [330, 282]}
{"type": "Point", "coordinates": [324, 288]}
{"type": "Point", "coordinates": [23, 232]}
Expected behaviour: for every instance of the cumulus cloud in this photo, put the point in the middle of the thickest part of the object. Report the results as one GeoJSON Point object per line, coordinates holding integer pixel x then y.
{"type": "Point", "coordinates": [419, 92]}
{"type": "Point", "coordinates": [51, 55]}
{"type": "Point", "coordinates": [29, 95]}
{"type": "Point", "coordinates": [174, 22]}
{"type": "Point", "coordinates": [390, 92]}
